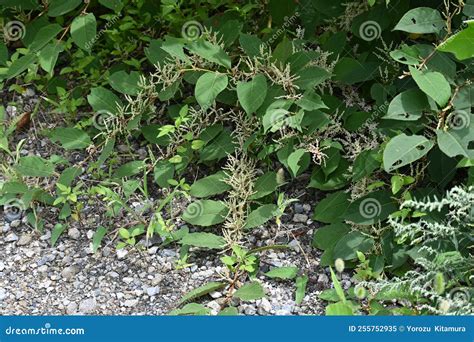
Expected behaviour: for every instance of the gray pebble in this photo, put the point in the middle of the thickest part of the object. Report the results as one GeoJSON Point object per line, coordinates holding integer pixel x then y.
{"type": "Point", "coordinates": [15, 223]}
{"type": "Point", "coordinates": [87, 305]}
{"type": "Point", "coordinates": [70, 272]}
{"type": "Point", "coordinates": [74, 233]}
{"type": "Point", "coordinates": [11, 237]}
{"type": "Point", "coordinates": [153, 291]}
{"type": "Point", "coordinates": [24, 240]}
{"type": "Point", "coordinates": [300, 218]}
{"type": "Point", "coordinates": [71, 308]}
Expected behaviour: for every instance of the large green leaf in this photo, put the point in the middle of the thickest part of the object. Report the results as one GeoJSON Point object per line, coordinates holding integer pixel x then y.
{"type": "Point", "coordinates": [44, 36]}
{"type": "Point", "coordinates": [311, 76]}
{"type": "Point", "coordinates": [115, 5]}
{"type": "Point", "coordinates": [327, 236]}
{"type": "Point", "coordinates": [34, 166]}
{"type": "Point", "coordinates": [20, 65]}
{"type": "Point", "coordinates": [205, 213]}
{"type": "Point", "coordinates": [102, 99]}
{"type": "Point", "coordinates": [204, 240]}
{"type": "Point", "coordinates": [461, 44]}
{"type": "Point", "coordinates": [339, 309]}
{"type": "Point", "coordinates": [252, 94]}
{"type": "Point", "coordinates": [210, 186]}
{"type": "Point", "coordinates": [84, 31]}
{"type": "Point", "coordinates": [331, 209]}
{"type": "Point", "coordinates": [407, 106]}
{"type": "Point", "coordinates": [458, 140]}
{"type": "Point", "coordinates": [71, 138]}
{"type": "Point", "coordinates": [208, 87]}
{"type": "Point", "coordinates": [433, 84]}
{"type": "Point", "coordinates": [129, 169]}
{"type": "Point", "coordinates": [211, 52]}
{"type": "Point", "coordinates": [48, 56]}
{"type": "Point", "coordinates": [371, 209]}
{"type": "Point", "coordinates": [421, 20]}
{"type": "Point", "coordinates": [284, 273]}
{"type": "Point", "coordinates": [260, 215]}
{"type": "Point", "coordinates": [403, 150]}
{"type": "Point", "coordinates": [125, 83]}
{"type": "Point", "coordinates": [60, 7]}
{"type": "Point", "coordinates": [265, 185]}
{"type": "Point", "coordinates": [250, 291]}
{"type": "Point", "coordinates": [347, 247]}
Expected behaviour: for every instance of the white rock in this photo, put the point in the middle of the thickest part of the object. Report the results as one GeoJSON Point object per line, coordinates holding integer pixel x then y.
{"type": "Point", "coordinates": [87, 305]}
{"type": "Point", "coordinates": [74, 233]}
{"type": "Point", "coordinates": [130, 303]}
{"type": "Point", "coordinates": [152, 291]}
{"type": "Point", "coordinates": [265, 305]}
{"type": "Point", "coordinates": [122, 253]}
{"type": "Point", "coordinates": [24, 240]}
{"type": "Point", "coordinates": [11, 237]}
{"type": "Point", "coordinates": [70, 272]}
{"type": "Point", "coordinates": [71, 308]}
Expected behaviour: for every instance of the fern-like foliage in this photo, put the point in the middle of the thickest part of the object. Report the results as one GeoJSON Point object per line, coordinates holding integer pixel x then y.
{"type": "Point", "coordinates": [439, 232]}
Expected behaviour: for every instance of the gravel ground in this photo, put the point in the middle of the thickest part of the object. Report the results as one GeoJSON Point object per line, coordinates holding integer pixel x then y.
{"type": "Point", "coordinates": [37, 279]}
{"type": "Point", "coordinates": [69, 279]}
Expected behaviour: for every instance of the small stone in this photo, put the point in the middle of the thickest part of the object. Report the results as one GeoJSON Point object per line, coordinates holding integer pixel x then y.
{"type": "Point", "coordinates": [152, 291]}
{"type": "Point", "coordinates": [215, 294]}
{"type": "Point", "coordinates": [300, 218]}
{"type": "Point", "coordinates": [113, 274]}
{"type": "Point", "coordinates": [265, 305]}
{"type": "Point", "coordinates": [294, 245]}
{"type": "Point", "coordinates": [2, 266]}
{"type": "Point", "coordinates": [122, 253]}
{"type": "Point", "coordinates": [70, 272]}
{"type": "Point", "coordinates": [298, 208]}
{"type": "Point", "coordinates": [152, 250]}
{"type": "Point", "coordinates": [74, 233]}
{"type": "Point", "coordinates": [11, 111]}
{"type": "Point", "coordinates": [29, 92]}
{"type": "Point", "coordinates": [11, 237]}
{"type": "Point", "coordinates": [3, 294]}
{"type": "Point", "coordinates": [24, 240]}
{"type": "Point", "coordinates": [285, 310]}
{"type": "Point", "coordinates": [87, 305]}
{"type": "Point", "coordinates": [128, 280]}
{"type": "Point", "coordinates": [214, 306]}
{"type": "Point", "coordinates": [106, 251]}
{"type": "Point", "coordinates": [323, 279]}
{"type": "Point", "coordinates": [346, 284]}
{"type": "Point", "coordinates": [168, 253]}
{"type": "Point", "coordinates": [43, 269]}
{"type": "Point", "coordinates": [306, 207]}
{"type": "Point", "coordinates": [130, 303]}
{"type": "Point", "coordinates": [250, 310]}
{"type": "Point", "coordinates": [71, 308]}
{"type": "Point", "coordinates": [15, 223]}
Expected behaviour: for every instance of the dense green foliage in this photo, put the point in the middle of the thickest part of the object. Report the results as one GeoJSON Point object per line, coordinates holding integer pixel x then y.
{"type": "Point", "coordinates": [373, 99]}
